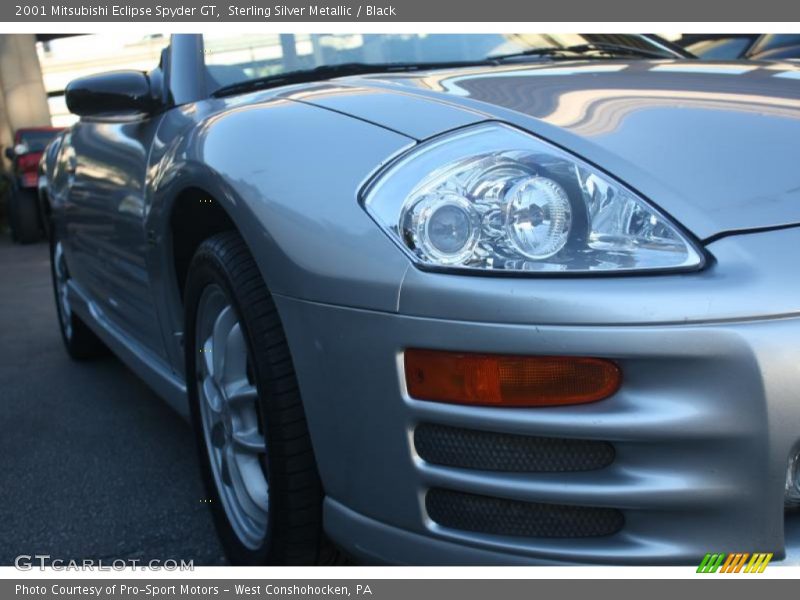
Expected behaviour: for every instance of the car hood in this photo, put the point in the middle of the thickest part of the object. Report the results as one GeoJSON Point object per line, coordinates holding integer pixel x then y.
{"type": "Point", "coordinates": [714, 144]}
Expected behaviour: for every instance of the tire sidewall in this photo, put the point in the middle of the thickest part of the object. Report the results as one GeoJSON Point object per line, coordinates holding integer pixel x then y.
{"type": "Point", "coordinates": [208, 270]}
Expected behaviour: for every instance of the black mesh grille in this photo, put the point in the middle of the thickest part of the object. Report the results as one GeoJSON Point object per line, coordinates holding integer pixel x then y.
{"type": "Point", "coordinates": [487, 451]}
{"type": "Point", "coordinates": [498, 516]}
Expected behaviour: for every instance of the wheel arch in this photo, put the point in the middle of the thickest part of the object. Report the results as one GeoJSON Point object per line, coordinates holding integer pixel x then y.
{"type": "Point", "coordinates": [276, 173]}
{"type": "Point", "coordinates": [287, 176]}
{"type": "Point", "coordinates": [193, 207]}
{"type": "Point", "coordinates": [195, 216]}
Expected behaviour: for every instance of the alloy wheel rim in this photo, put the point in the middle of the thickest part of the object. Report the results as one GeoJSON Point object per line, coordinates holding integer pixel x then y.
{"type": "Point", "coordinates": [62, 277]}
{"type": "Point", "coordinates": [228, 398]}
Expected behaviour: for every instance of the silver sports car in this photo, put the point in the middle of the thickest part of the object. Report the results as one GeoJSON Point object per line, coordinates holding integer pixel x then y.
{"type": "Point", "coordinates": [441, 299]}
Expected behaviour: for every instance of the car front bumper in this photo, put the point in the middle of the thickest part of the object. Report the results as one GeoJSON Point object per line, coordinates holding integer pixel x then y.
{"type": "Point", "coordinates": [702, 427]}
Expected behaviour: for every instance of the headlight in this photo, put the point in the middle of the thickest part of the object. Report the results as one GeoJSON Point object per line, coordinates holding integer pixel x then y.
{"type": "Point", "coordinates": [494, 198]}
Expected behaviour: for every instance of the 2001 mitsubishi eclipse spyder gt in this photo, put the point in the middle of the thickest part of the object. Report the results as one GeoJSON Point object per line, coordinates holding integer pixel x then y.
{"type": "Point", "coordinates": [452, 299]}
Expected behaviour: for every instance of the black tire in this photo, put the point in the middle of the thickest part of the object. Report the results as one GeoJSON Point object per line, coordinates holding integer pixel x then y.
{"type": "Point", "coordinates": [23, 216]}
{"type": "Point", "coordinates": [294, 533]}
{"type": "Point", "coordinates": [80, 341]}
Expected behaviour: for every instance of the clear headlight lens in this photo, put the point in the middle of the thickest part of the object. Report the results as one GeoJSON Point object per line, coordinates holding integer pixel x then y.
{"type": "Point", "coordinates": [494, 198]}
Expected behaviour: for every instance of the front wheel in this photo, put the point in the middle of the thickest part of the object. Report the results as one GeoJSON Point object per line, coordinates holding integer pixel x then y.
{"type": "Point", "coordinates": [255, 450]}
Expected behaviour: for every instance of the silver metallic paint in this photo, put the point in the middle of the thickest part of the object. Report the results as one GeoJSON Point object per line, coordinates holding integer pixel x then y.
{"type": "Point", "coordinates": [703, 427]}
{"type": "Point", "coordinates": [713, 144]}
{"type": "Point", "coordinates": [707, 414]}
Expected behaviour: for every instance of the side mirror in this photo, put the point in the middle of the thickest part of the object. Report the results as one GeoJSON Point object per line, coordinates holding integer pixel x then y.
{"type": "Point", "coordinates": [9, 152]}
{"type": "Point", "coordinates": [115, 94]}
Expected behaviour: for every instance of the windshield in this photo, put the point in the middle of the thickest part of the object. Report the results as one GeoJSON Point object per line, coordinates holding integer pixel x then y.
{"type": "Point", "coordinates": [232, 59]}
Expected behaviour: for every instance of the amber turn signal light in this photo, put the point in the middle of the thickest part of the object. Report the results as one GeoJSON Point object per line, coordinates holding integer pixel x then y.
{"type": "Point", "coordinates": [505, 380]}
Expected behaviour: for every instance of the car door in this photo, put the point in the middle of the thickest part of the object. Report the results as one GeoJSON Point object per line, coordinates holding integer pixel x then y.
{"type": "Point", "coordinates": [107, 207]}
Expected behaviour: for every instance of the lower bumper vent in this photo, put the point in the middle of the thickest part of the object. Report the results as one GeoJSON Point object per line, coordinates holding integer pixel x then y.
{"type": "Point", "coordinates": [488, 451]}
{"type": "Point", "coordinates": [498, 516]}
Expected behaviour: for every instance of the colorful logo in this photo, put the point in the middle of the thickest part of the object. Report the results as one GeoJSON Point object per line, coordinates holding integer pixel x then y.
{"type": "Point", "coordinates": [735, 562]}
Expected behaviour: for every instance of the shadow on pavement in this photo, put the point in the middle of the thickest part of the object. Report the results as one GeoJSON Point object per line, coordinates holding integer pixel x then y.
{"type": "Point", "coordinates": [92, 464]}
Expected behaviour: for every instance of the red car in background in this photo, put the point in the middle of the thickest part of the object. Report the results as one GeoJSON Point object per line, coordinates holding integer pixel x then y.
{"type": "Point", "coordinates": [23, 204]}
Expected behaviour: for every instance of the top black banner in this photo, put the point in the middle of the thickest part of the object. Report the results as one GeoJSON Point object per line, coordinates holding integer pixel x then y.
{"type": "Point", "coordinates": [712, 11]}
